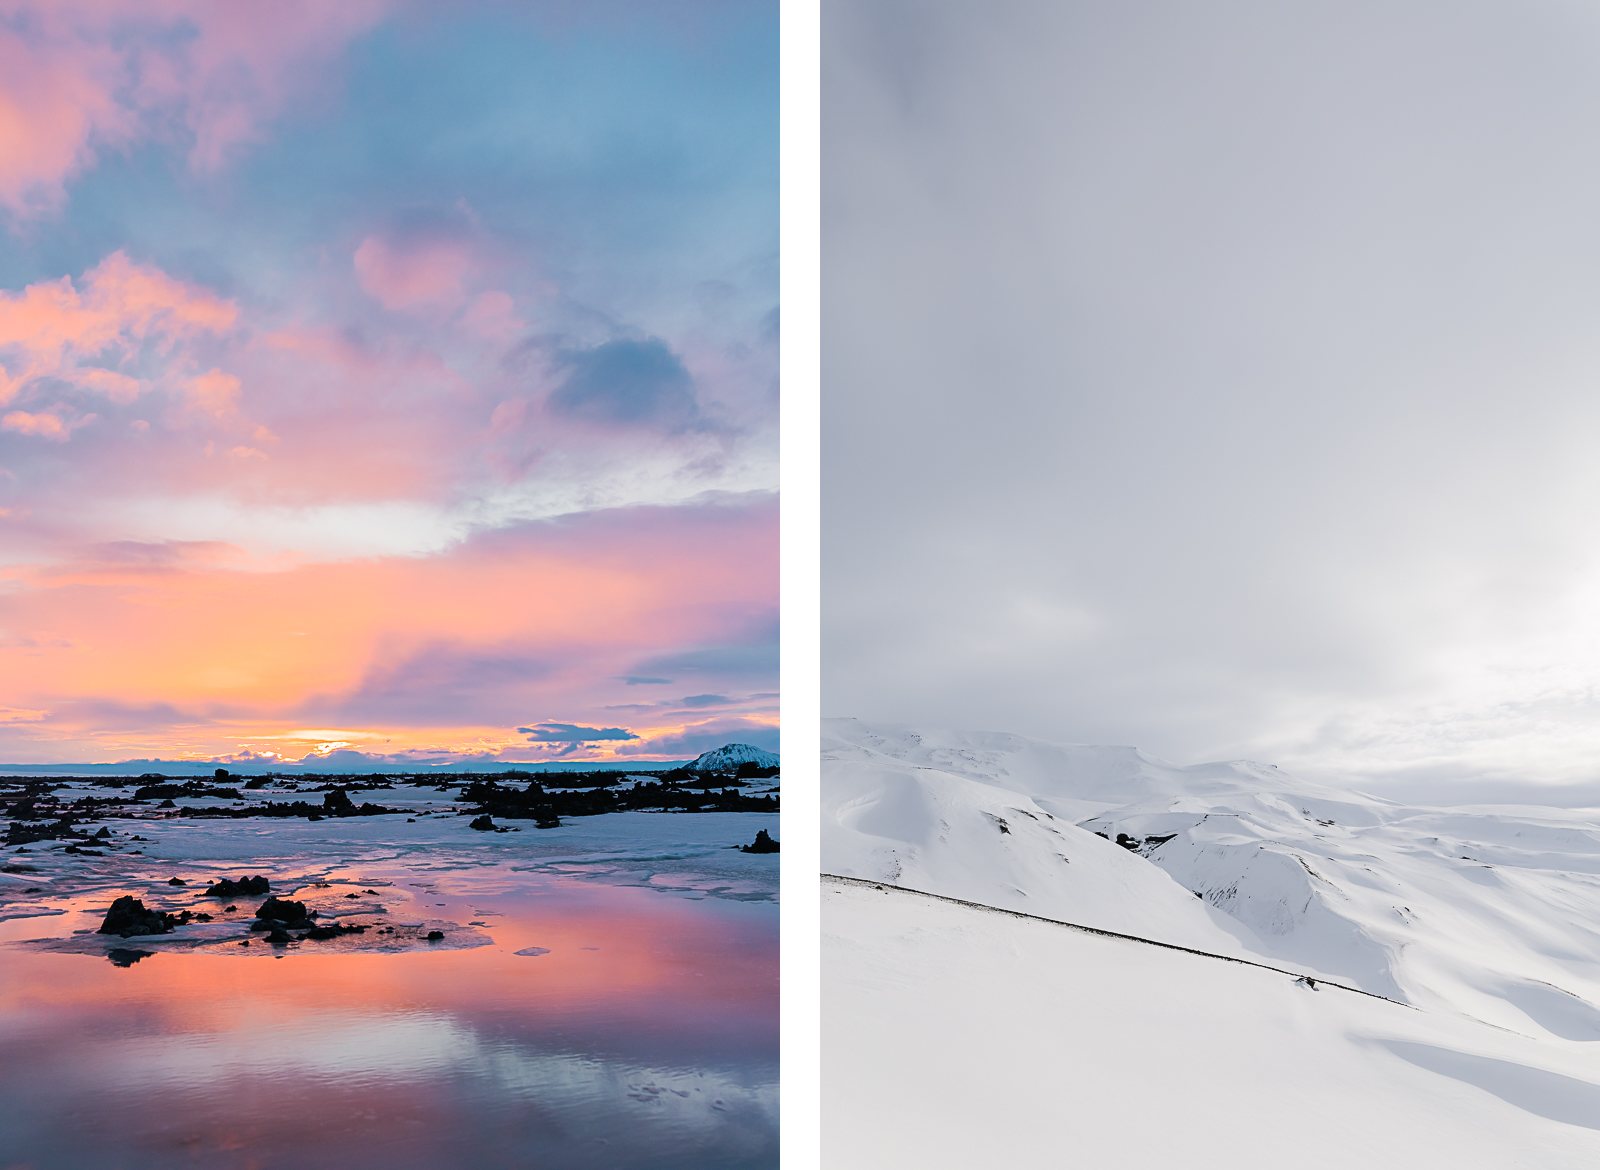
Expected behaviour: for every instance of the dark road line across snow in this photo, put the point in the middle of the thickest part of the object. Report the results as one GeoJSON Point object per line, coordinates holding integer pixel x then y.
{"type": "Point", "coordinates": [1318, 980]}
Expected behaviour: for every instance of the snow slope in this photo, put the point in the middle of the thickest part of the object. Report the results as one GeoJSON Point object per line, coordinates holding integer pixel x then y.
{"type": "Point", "coordinates": [955, 1038]}
{"type": "Point", "coordinates": [1486, 919]}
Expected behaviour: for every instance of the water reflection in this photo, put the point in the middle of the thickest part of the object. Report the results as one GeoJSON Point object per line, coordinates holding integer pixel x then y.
{"type": "Point", "coordinates": [645, 1035]}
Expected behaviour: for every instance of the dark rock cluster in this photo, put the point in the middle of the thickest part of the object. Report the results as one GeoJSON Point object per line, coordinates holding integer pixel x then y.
{"type": "Point", "coordinates": [129, 916]}
{"type": "Point", "coordinates": [284, 911]}
{"type": "Point", "coordinates": [191, 789]}
{"type": "Point", "coordinates": [244, 887]}
{"type": "Point", "coordinates": [335, 803]}
{"type": "Point", "coordinates": [762, 844]}
{"type": "Point", "coordinates": [579, 795]}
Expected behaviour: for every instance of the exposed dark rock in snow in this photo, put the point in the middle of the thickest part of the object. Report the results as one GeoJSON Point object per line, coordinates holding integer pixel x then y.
{"type": "Point", "coordinates": [762, 844]}
{"type": "Point", "coordinates": [284, 912]}
{"type": "Point", "coordinates": [129, 916]}
{"type": "Point", "coordinates": [250, 886]}
{"type": "Point", "coordinates": [334, 930]}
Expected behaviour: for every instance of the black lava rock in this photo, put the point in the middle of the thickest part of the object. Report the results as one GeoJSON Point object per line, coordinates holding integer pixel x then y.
{"type": "Point", "coordinates": [245, 886]}
{"type": "Point", "coordinates": [277, 913]}
{"type": "Point", "coordinates": [333, 930]}
{"type": "Point", "coordinates": [762, 844]}
{"type": "Point", "coordinates": [129, 916]}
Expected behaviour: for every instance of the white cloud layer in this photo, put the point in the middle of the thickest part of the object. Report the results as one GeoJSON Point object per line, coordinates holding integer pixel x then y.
{"type": "Point", "coordinates": [1217, 378]}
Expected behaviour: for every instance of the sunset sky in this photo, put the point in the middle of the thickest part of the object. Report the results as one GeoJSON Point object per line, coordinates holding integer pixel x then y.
{"type": "Point", "coordinates": [387, 378]}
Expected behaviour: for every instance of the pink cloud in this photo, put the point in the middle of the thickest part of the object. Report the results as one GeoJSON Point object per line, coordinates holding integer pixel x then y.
{"type": "Point", "coordinates": [246, 62]}
{"type": "Point", "coordinates": [112, 385]}
{"type": "Point", "coordinates": [79, 77]}
{"type": "Point", "coordinates": [56, 108]}
{"type": "Point", "coordinates": [493, 316]}
{"type": "Point", "coordinates": [43, 425]}
{"type": "Point", "coordinates": [214, 393]}
{"type": "Point", "coordinates": [408, 274]}
{"type": "Point", "coordinates": [62, 329]}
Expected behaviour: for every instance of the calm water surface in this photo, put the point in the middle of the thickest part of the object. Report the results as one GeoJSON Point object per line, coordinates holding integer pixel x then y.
{"type": "Point", "coordinates": [644, 1036]}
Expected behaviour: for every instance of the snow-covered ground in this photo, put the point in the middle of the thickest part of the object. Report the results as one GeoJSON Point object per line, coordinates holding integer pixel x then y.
{"type": "Point", "coordinates": [971, 1031]}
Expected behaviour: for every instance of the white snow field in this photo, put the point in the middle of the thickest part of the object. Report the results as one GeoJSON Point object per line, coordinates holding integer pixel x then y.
{"type": "Point", "coordinates": [954, 1034]}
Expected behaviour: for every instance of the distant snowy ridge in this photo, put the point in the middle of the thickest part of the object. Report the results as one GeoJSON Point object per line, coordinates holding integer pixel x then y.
{"type": "Point", "coordinates": [1490, 912]}
{"type": "Point", "coordinates": [729, 756]}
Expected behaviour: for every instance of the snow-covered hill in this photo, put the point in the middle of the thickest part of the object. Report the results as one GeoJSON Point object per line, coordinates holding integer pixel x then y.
{"type": "Point", "coordinates": [955, 1038]}
{"type": "Point", "coordinates": [1487, 919]}
{"type": "Point", "coordinates": [730, 755]}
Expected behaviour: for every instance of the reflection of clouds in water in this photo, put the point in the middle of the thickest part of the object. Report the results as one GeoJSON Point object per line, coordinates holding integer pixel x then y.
{"type": "Point", "coordinates": [645, 1038]}
{"type": "Point", "coordinates": [432, 1050]}
{"type": "Point", "coordinates": [392, 1046]}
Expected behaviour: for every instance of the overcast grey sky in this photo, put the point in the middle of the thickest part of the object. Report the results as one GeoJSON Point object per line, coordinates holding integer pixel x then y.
{"type": "Point", "coordinates": [1219, 378]}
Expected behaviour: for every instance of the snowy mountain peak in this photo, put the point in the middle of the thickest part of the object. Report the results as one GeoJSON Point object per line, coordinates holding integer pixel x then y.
{"type": "Point", "coordinates": [729, 756]}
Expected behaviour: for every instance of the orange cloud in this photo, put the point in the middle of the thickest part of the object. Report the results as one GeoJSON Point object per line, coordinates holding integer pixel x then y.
{"type": "Point", "coordinates": [228, 658]}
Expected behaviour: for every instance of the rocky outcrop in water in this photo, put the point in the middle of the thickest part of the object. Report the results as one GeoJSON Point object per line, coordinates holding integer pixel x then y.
{"type": "Point", "coordinates": [283, 912]}
{"type": "Point", "coordinates": [252, 886]}
{"type": "Point", "coordinates": [129, 916]}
